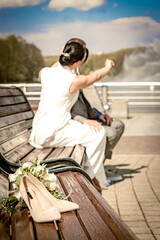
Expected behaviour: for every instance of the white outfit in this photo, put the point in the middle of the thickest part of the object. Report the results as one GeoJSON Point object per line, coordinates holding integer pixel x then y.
{"type": "Point", "coordinates": [53, 126]}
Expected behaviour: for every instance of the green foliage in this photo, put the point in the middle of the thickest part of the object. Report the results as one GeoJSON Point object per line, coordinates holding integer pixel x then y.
{"type": "Point", "coordinates": [8, 204]}
{"type": "Point", "coordinates": [19, 60]}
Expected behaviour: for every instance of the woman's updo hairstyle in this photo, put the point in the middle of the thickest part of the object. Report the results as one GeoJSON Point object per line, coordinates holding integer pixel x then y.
{"type": "Point", "coordinates": [72, 52]}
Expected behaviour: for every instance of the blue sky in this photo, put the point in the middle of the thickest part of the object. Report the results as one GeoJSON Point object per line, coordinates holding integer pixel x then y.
{"type": "Point", "coordinates": [105, 25]}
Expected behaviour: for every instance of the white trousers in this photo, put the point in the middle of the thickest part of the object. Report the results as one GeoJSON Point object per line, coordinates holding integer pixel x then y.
{"type": "Point", "coordinates": [94, 142]}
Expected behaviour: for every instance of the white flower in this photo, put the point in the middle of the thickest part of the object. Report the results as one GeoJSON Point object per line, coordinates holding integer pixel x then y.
{"type": "Point", "coordinates": [17, 195]}
{"type": "Point", "coordinates": [53, 186]}
{"type": "Point", "coordinates": [39, 168]}
{"type": "Point", "coordinates": [14, 186]}
{"type": "Point", "coordinates": [18, 172]}
{"type": "Point", "coordinates": [12, 177]}
{"type": "Point", "coordinates": [52, 177]}
{"type": "Point", "coordinates": [27, 165]}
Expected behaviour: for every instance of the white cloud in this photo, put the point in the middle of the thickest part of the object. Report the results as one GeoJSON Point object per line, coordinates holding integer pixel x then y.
{"type": "Point", "coordinates": [100, 37]}
{"type": "Point", "coordinates": [83, 5]}
{"type": "Point", "coordinates": [19, 3]}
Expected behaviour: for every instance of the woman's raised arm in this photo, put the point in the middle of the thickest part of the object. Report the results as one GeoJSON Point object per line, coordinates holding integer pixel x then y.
{"type": "Point", "coordinates": [83, 81]}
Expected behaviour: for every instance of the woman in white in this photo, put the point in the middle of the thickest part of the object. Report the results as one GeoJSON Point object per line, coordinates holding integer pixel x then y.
{"type": "Point", "coordinates": [52, 124]}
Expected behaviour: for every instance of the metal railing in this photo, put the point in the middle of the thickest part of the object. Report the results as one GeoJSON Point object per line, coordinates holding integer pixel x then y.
{"type": "Point", "coordinates": [139, 95]}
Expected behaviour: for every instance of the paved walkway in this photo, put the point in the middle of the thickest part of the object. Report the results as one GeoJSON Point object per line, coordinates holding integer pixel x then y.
{"type": "Point", "coordinates": [137, 197]}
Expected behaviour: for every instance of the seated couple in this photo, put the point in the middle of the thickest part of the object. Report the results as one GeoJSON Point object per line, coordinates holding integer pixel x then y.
{"type": "Point", "coordinates": [63, 111]}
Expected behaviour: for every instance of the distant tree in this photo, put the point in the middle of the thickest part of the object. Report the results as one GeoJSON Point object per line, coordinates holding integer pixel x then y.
{"type": "Point", "coordinates": [19, 60]}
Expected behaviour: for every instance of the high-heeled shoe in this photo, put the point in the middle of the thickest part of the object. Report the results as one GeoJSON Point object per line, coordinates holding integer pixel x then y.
{"type": "Point", "coordinates": [60, 204]}
{"type": "Point", "coordinates": [41, 208]}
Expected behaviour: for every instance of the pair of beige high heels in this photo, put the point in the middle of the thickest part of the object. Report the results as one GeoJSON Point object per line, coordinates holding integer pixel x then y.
{"type": "Point", "coordinates": [43, 206]}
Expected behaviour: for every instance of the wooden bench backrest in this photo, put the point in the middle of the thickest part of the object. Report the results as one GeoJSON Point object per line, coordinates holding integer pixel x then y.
{"type": "Point", "coordinates": [15, 119]}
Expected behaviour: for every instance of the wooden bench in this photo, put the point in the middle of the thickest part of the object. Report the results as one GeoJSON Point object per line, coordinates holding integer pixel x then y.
{"type": "Point", "coordinates": [94, 220]}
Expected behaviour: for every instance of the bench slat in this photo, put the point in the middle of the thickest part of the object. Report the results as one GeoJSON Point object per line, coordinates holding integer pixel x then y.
{"type": "Point", "coordinates": [10, 91]}
{"type": "Point", "coordinates": [46, 231]}
{"type": "Point", "coordinates": [39, 153]}
{"type": "Point", "coordinates": [115, 223]}
{"type": "Point", "coordinates": [70, 219]}
{"type": "Point", "coordinates": [78, 154]}
{"type": "Point", "coordinates": [14, 130]}
{"type": "Point", "coordinates": [14, 142]}
{"type": "Point", "coordinates": [55, 153]}
{"type": "Point", "coordinates": [9, 100]}
{"type": "Point", "coordinates": [7, 120]}
{"type": "Point", "coordinates": [87, 214]}
{"type": "Point", "coordinates": [20, 153]}
{"type": "Point", "coordinates": [22, 227]}
{"type": "Point", "coordinates": [4, 225]}
{"type": "Point", "coordinates": [66, 152]}
{"type": "Point", "coordinates": [75, 231]}
{"type": "Point", "coordinates": [4, 217]}
{"type": "Point", "coordinates": [12, 109]}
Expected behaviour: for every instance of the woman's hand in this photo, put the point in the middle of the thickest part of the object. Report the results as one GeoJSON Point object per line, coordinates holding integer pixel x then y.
{"type": "Point", "coordinates": [93, 124]}
{"type": "Point", "coordinates": [109, 64]}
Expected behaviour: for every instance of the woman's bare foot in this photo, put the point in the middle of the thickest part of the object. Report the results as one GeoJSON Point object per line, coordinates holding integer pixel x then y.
{"type": "Point", "coordinates": [103, 187]}
{"type": "Point", "coordinates": [98, 185]}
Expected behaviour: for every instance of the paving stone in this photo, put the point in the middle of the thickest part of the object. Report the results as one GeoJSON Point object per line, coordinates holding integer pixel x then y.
{"type": "Point", "coordinates": [156, 231]}
{"type": "Point", "coordinates": [133, 217]}
{"type": "Point", "coordinates": [136, 223]}
{"type": "Point", "coordinates": [155, 224]}
{"type": "Point", "coordinates": [130, 212]}
{"type": "Point", "coordinates": [153, 218]}
{"type": "Point", "coordinates": [140, 230]}
{"type": "Point", "coordinates": [136, 197]}
{"type": "Point", "coordinates": [145, 236]}
{"type": "Point", "coordinates": [152, 213]}
{"type": "Point", "coordinates": [157, 236]}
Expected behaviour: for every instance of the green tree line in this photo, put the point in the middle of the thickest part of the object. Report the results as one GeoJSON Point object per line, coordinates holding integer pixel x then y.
{"type": "Point", "coordinates": [19, 61]}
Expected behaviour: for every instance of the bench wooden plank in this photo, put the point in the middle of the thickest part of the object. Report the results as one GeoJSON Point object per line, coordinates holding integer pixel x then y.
{"type": "Point", "coordinates": [115, 223]}
{"type": "Point", "coordinates": [87, 214]}
{"type": "Point", "coordinates": [12, 109]}
{"type": "Point", "coordinates": [22, 227]}
{"type": "Point", "coordinates": [4, 217]}
{"type": "Point", "coordinates": [14, 142]}
{"type": "Point", "coordinates": [14, 130]}
{"type": "Point", "coordinates": [67, 151]}
{"type": "Point", "coordinates": [11, 119]}
{"type": "Point", "coordinates": [70, 219]}
{"type": "Point", "coordinates": [37, 153]}
{"type": "Point", "coordinates": [10, 91]}
{"type": "Point", "coordinates": [55, 153]}
{"type": "Point", "coordinates": [10, 100]}
{"type": "Point", "coordinates": [20, 153]}
{"type": "Point", "coordinates": [4, 225]}
{"type": "Point", "coordinates": [75, 231]}
{"type": "Point", "coordinates": [78, 154]}
{"type": "Point", "coordinates": [46, 231]}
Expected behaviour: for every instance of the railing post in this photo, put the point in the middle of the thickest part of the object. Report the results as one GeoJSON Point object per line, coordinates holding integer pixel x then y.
{"type": "Point", "coordinates": [105, 95]}
{"type": "Point", "coordinates": [152, 88]}
{"type": "Point", "coordinates": [23, 87]}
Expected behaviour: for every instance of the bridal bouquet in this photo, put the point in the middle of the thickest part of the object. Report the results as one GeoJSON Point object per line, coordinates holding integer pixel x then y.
{"type": "Point", "coordinates": [38, 171]}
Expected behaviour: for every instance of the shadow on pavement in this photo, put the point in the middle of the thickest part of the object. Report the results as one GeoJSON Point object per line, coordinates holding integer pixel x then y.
{"type": "Point", "coordinates": [124, 172]}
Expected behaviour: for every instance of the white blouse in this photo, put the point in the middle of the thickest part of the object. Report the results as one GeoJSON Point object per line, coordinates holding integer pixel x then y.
{"type": "Point", "coordinates": [55, 104]}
